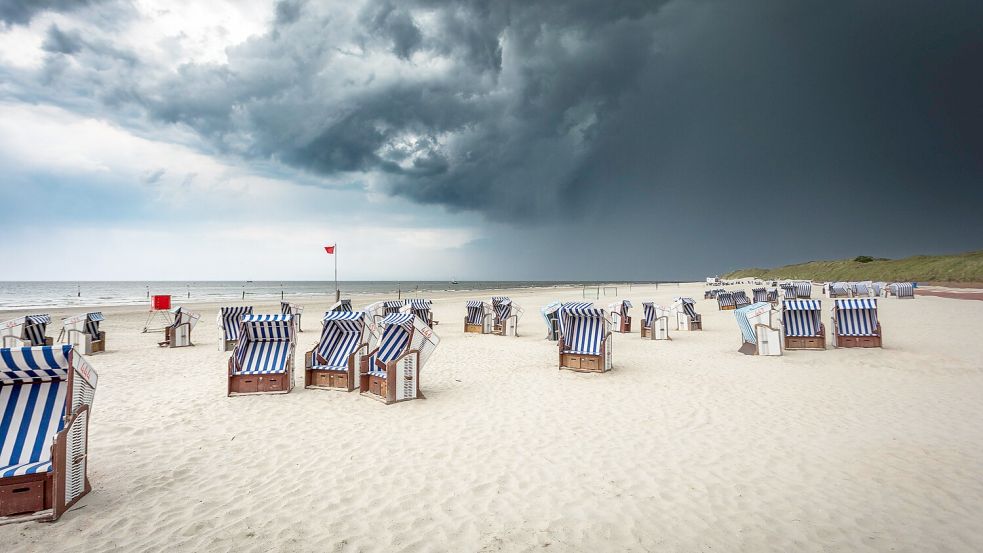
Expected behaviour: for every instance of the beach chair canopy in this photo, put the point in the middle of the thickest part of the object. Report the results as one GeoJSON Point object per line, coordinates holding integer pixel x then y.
{"type": "Point", "coordinates": [740, 298]}
{"type": "Point", "coordinates": [550, 312]}
{"type": "Point", "coordinates": [89, 323]}
{"type": "Point", "coordinates": [264, 345]}
{"type": "Point", "coordinates": [32, 329]}
{"type": "Point", "coordinates": [402, 332]}
{"type": "Point", "coordinates": [750, 315]}
{"type": "Point", "coordinates": [838, 289]}
{"type": "Point", "coordinates": [725, 299]}
{"type": "Point", "coordinates": [391, 306]}
{"type": "Point", "coordinates": [801, 317]}
{"type": "Point", "coordinates": [760, 294]}
{"type": "Point", "coordinates": [582, 328]}
{"type": "Point", "coordinates": [856, 317]}
{"type": "Point", "coordinates": [477, 310]}
{"type": "Point", "coordinates": [686, 305]}
{"type": "Point", "coordinates": [343, 332]}
{"type": "Point", "coordinates": [502, 306]}
{"type": "Point", "coordinates": [861, 288]}
{"type": "Point", "coordinates": [648, 313]}
{"type": "Point", "coordinates": [804, 289]}
{"type": "Point", "coordinates": [877, 286]}
{"type": "Point", "coordinates": [229, 319]}
{"type": "Point", "coordinates": [772, 295]}
{"type": "Point", "coordinates": [182, 316]}
{"type": "Point", "coordinates": [34, 387]}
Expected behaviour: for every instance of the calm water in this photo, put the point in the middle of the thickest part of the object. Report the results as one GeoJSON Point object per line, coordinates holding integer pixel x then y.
{"type": "Point", "coordinates": [29, 295]}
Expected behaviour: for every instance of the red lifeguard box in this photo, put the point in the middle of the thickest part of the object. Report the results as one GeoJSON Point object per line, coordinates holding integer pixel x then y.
{"type": "Point", "coordinates": [160, 303]}
{"type": "Point", "coordinates": [160, 313]}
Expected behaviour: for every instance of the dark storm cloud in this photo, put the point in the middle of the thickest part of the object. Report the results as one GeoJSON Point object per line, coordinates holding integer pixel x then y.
{"type": "Point", "coordinates": [694, 114]}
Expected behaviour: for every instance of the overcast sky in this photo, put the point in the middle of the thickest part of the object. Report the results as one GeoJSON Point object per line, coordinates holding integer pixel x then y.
{"type": "Point", "coordinates": [558, 139]}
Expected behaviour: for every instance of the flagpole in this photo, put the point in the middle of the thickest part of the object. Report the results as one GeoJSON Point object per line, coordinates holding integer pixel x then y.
{"type": "Point", "coordinates": [337, 292]}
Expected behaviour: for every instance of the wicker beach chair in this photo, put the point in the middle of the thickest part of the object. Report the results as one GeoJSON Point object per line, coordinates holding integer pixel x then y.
{"type": "Point", "coordinates": [655, 322]}
{"type": "Point", "coordinates": [391, 372]}
{"type": "Point", "coordinates": [802, 324]}
{"type": "Point", "coordinates": [46, 395]}
{"type": "Point", "coordinates": [585, 338]}
{"type": "Point", "coordinates": [620, 317]}
{"type": "Point", "coordinates": [26, 331]}
{"type": "Point", "coordinates": [759, 335]}
{"type": "Point", "coordinates": [263, 359]}
{"type": "Point", "coordinates": [229, 321]}
{"type": "Point", "coordinates": [335, 361]}
{"type": "Point", "coordinates": [725, 301]}
{"type": "Point", "coordinates": [855, 323]}
{"type": "Point", "coordinates": [684, 311]}
{"type": "Point", "coordinates": [82, 330]}
{"type": "Point", "coordinates": [178, 333]}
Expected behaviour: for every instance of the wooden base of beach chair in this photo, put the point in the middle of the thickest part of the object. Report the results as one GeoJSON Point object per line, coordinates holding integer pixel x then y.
{"type": "Point", "coordinates": [805, 342]}
{"type": "Point", "coordinates": [727, 307]}
{"type": "Point", "coordinates": [582, 363]}
{"type": "Point", "coordinates": [259, 384]}
{"type": "Point", "coordinates": [175, 339]}
{"type": "Point", "coordinates": [377, 388]}
{"type": "Point", "coordinates": [328, 380]}
{"type": "Point", "coordinates": [476, 329]}
{"type": "Point", "coordinates": [96, 346]}
{"type": "Point", "coordinates": [857, 341]}
{"type": "Point", "coordinates": [625, 325]}
{"type": "Point", "coordinates": [25, 495]}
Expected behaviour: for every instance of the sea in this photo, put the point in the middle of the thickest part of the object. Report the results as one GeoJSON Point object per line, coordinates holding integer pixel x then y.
{"type": "Point", "coordinates": [49, 294]}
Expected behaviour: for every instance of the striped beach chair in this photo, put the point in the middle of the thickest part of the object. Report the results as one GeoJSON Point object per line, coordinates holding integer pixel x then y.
{"type": "Point", "coordinates": [263, 359]}
{"type": "Point", "coordinates": [551, 316]}
{"type": "Point", "coordinates": [855, 323]}
{"type": "Point", "coordinates": [759, 336]}
{"type": "Point", "coordinates": [759, 294]}
{"type": "Point", "coordinates": [839, 290]}
{"type": "Point", "coordinates": [342, 305]}
{"type": "Point", "coordinates": [684, 311]}
{"type": "Point", "coordinates": [772, 296]}
{"type": "Point", "coordinates": [802, 324]}
{"type": "Point", "coordinates": [334, 363]}
{"type": "Point", "coordinates": [26, 331]}
{"type": "Point", "coordinates": [507, 314]}
{"type": "Point", "coordinates": [861, 289]}
{"type": "Point", "coordinates": [82, 330]}
{"type": "Point", "coordinates": [902, 290]}
{"type": "Point", "coordinates": [479, 318]}
{"type": "Point", "coordinates": [620, 317]}
{"type": "Point", "coordinates": [421, 308]}
{"type": "Point", "coordinates": [803, 290]}
{"type": "Point", "coordinates": [391, 372]}
{"type": "Point", "coordinates": [178, 333]}
{"type": "Point", "coordinates": [229, 321]}
{"type": "Point", "coordinates": [789, 291]}
{"type": "Point", "coordinates": [295, 312]}
{"type": "Point", "coordinates": [585, 338]}
{"type": "Point", "coordinates": [655, 322]}
{"type": "Point", "coordinates": [46, 395]}
{"type": "Point", "coordinates": [877, 287]}
{"type": "Point", "coordinates": [740, 299]}
{"type": "Point", "coordinates": [725, 301]}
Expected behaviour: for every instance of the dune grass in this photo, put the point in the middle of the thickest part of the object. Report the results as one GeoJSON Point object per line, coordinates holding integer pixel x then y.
{"type": "Point", "coordinates": [960, 268]}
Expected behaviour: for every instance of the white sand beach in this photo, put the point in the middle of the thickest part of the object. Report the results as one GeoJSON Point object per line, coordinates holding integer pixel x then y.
{"type": "Point", "coordinates": [686, 445]}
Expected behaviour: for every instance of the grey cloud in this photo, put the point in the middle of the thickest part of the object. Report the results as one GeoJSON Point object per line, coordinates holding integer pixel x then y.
{"type": "Point", "coordinates": [20, 12]}
{"type": "Point", "coordinates": [62, 42]}
{"type": "Point", "coordinates": [694, 114]}
{"type": "Point", "coordinates": [153, 177]}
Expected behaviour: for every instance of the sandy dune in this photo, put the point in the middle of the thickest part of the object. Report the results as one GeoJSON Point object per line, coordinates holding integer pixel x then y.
{"type": "Point", "coordinates": [686, 446]}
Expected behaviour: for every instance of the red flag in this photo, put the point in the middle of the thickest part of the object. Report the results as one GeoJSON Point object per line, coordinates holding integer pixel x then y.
{"type": "Point", "coordinates": [329, 249]}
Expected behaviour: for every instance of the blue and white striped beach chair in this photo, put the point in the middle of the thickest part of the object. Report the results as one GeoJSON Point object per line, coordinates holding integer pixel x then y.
{"type": "Point", "coordinates": [878, 287]}
{"type": "Point", "coordinates": [902, 290]}
{"type": "Point", "coordinates": [839, 290]}
{"type": "Point", "coordinates": [346, 337]}
{"type": "Point", "coordinates": [725, 301]}
{"type": "Point", "coordinates": [759, 336]}
{"type": "Point", "coordinates": [855, 323]}
{"type": "Point", "coordinates": [803, 290]}
{"type": "Point", "coordinates": [684, 311]}
{"type": "Point", "coordinates": [620, 317]}
{"type": "Point", "coordinates": [760, 294]}
{"type": "Point", "coordinates": [551, 316]}
{"type": "Point", "coordinates": [861, 289]}
{"type": "Point", "coordinates": [82, 330]}
{"type": "Point", "coordinates": [741, 299]}
{"type": "Point", "coordinates": [178, 333]}
{"type": "Point", "coordinates": [229, 321]}
{"type": "Point", "coordinates": [295, 311]}
{"type": "Point", "coordinates": [422, 308]}
{"type": "Point", "coordinates": [391, 371]}
{"type": "Point", "coordinates": [772, 296]}
{"type": "Point", "coordinates": [46, 395]}
{"type": "Point", "coordinates": [789, 291]}
{"type": "Point", "coordinates": [263, 359]}
{"type": "Point", "coordinates": [507, 314]}
{"type": "Point", "coordinates": [585, 338]}
{"type": "Point", "coordinates": [655, 322]}
{"type": "Point", "coordinates": [479, 318]}
{"type": "Point", "coordinates": [802, 324]}
{"type": "Point", "coordinates": [26, 331]}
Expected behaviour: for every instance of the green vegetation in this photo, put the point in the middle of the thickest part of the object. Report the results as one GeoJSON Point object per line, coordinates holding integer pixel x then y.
{"type": "Point", "coordinates": [966, 267]}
